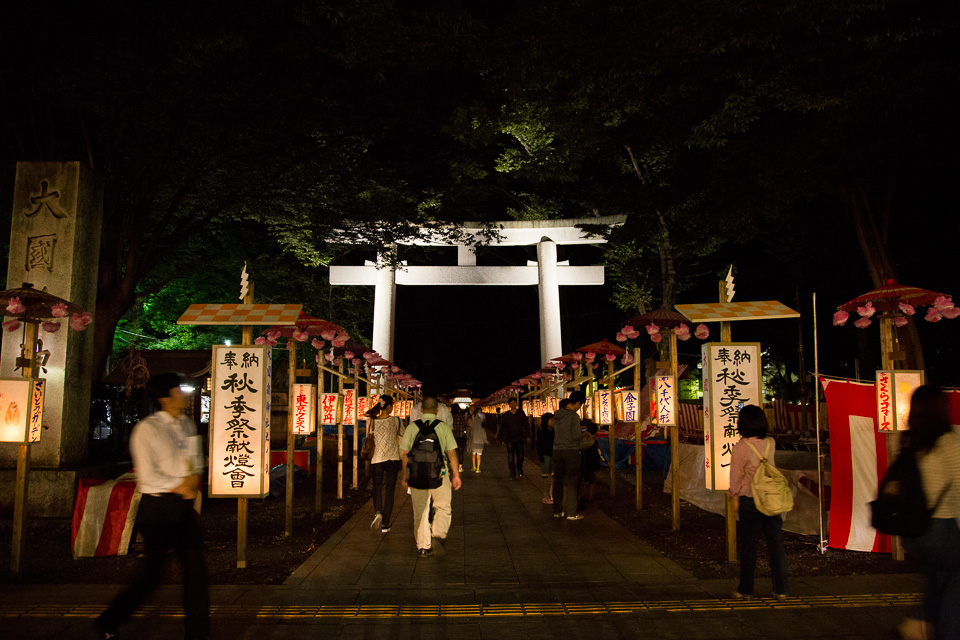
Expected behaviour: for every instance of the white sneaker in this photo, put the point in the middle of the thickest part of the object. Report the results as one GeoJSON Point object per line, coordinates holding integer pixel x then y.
{"type": "Point", "coordinates": [377, 519]}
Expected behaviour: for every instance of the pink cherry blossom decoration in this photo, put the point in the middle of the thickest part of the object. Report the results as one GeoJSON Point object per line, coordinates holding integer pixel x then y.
{"type": "Point", "coordinates": [260, 340]}
{"type": "Point", "coordinates": [272, 336]}
{"type": "Point", "coordinates": [627, 329]}
{"type": "Point", "coordinates": [633, 335]}
{"type": "Point", "coordinates": [11, 325]}
{"type": "Point", "coordinates": [652, 329]}
{"type": "Point", "coordinates": [899, 322]}
{"type": "Point", "coordinates": [591, 356]}
{"type": "Point", "coordinates": [317, 344]}
{"type": "Point", "coordinates": [933, 315]}
{"type": "Point", "coordinates": [950, 313]}
{"type": "Point", "coordinates": [621, 337]}
{"type": "Point", "coordinates": [348, 355]}
{"type": "Point", "coordinates": [840, 318]}
{"type": "Point", "coordinates": [356, 361]}
{"type": "Point", "coordinates": [15, 307]}
{"type": "Point", "coordinates": [328, 357]}
{"type": "Point", "coordinates": [272, 343]}
{"type": "Point", "coordinates": [867, 310]}
{"type": "Point", "coordinates": [537, 375]}
{"type": "Point", "coordinates": [657, 337]}
{"type": "Point", "coordinates": [79, 321]}
{"type": "Point", "coordinates": [610, 357]}
{"type": "Point", "coordinates": [578, 356]}
{"type": "Point", "coordinates": [702, 332]}
{"type": "Point", "coordinates": [943, 302]}
{"type": "Point", "coordinates": [59, 310]}
{"type": "Point", "coordinates": [862, 323]}
{"type": "Point", "coordinates": [51, 327]}
{"type": "Point", "coordinates": [907, 308]}
{"type": "Point", "coordinates": [626, 359]}
{"type": "Point", "coordinates": [328, 334]}
{"type": "Point", "coordinates": [683, 332]}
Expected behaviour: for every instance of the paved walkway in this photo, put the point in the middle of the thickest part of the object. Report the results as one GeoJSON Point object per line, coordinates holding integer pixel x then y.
{"type": "Point", "coordinates": [510, 570]}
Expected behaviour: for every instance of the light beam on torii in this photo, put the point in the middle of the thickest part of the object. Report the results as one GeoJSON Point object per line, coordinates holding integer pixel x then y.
{"type": "Point", "coordinates": [547, 273]}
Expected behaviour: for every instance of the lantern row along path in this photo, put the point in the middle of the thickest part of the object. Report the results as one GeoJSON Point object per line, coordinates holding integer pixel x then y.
{"type": "Point", "coordinates": [510, 571]}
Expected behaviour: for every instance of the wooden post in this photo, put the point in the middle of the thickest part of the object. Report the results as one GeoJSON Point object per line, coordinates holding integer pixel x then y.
{"type": "Point", "coordinates": [29, 370]}
{"type": "Point", "coordinates": [674, 437]}
{"type": "Point", "coordinates": [888, 363]}
{"type": "Point", "coordinates": [356, 429]}
{"type": "Point", "coordinates": [291, 440]}
{"type": "Point", "coordinates": [340, 435]}
{"type": "Point", "coordinates": [638, 447]}
{"type": "Point", "coordinates": [318, 499]}
{"type": "Point", "coordinates": [730, 512]}
{"type": "Point", "coordinates": [242, 502]}
{"type": "Point", "coordinates": [611, 435]}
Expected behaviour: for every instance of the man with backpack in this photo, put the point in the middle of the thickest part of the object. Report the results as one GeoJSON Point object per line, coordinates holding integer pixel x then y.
{"type": "Point", "coordinates": [431, 472]}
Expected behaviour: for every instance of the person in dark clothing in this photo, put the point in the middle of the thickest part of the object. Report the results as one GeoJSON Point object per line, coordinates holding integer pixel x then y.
{"type": "Point", "coordinates": [545, 451]}
{"type": "Point", "coordinates": [514, 432]}
{"type": "Point", "coordinates": [566, 457]}
{"type": "Point", "coordinates": [589, 465]}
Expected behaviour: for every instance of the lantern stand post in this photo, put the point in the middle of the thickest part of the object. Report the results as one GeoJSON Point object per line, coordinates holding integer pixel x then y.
{"type": "Point", "coordinates": [888, 362]}
{"type": "Point", "coordinates": [28, 370]}
{"type": "Point", "coordinates": [612, 435]}
{"type": "Point", "coordinates": [638, 447]}
{"type": "Point", "coordinates": [318, 499]}
{"type": "Point", "coordinates": [340, 433]}
{"type": "Point", "coordinates": [356, 427]}
{"type": "Point", "coordinates": [291, 381]}
{"type": "Point", "coordinates": [242, 501]}
{"type": "Point", "coordinates": [674, 435]}
{"type": "Point", "coordinates": [731, 514]}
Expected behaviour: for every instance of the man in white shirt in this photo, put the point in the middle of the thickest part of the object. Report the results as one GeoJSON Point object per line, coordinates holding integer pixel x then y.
{"type": "Point", "coordinates": [168, 462]}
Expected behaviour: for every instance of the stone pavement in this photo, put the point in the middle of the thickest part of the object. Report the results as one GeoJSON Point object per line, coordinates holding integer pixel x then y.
{"type": "Point", "coordinates": [510, 570]}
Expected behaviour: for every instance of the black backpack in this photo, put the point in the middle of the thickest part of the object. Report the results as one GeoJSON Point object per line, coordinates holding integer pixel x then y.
{"type": "Point", "coordinates": [425, 461]}
{"type": "Point", "coordinates": [901, 505]}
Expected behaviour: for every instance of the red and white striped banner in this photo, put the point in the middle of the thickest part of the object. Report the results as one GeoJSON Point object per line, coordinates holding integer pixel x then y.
{"type": "Point", "coordinates": [103, 516]}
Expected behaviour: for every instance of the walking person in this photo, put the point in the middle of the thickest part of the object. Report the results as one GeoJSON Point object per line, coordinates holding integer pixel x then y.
{"type": "Point", "coordinates": [545, 451]}
{"type": "Point", "coordinates": [431, 472]}
{"type": "Point", "coordinates": [566, 457]}
{"type": "Point", "coordinates": [744, 461]}
{"type": "Point", "coordinates": [937, 551]}
{"type": "Point", "coordinates": [476, 436]}
{"type": "Point", "coordinates": [168, 461]}
{"type": "Point", "coordinates": [385, 463]}
{"type": "Point", "coordinates": [515, 433]}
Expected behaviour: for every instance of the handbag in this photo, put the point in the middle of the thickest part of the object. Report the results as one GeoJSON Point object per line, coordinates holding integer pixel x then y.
{"type": "Point", "coordinates": [586, 440]}
{"type": "Point", "coordinates": [366, 452]}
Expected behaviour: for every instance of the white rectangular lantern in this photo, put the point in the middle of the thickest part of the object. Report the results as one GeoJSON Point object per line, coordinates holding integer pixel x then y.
{"type": "Point", "coordinates": [329, 405]}
{"type": "Point", "coordinates": [604, 407]}
{"type": "Point", "coordinates": [894, 390]}
{"type": "Point", "coordinates": [407, 408]}
{"type": "Point", "coordinates": [630, 405]}
{"type": "Point", "coordinates": [528, 408]}
{"type": "Point", "coordinates": [21, 409]}
{"type": "Point", "coordinates": [240, 421]}
{"type": "Point", "coordinates": [301, 403]}
{"type": "Point", "coordinates": [731, 380]}
{"type": "Point", "coordinates": [665, 402]}
{"type": "Point", "coordinates": [554, 404]}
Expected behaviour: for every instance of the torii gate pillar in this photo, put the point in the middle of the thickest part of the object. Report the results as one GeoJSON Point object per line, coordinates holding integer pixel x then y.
{"type": "Point", "coordinates": [549, 288]}
{"type": "Point", "coordinates": [384, 311]}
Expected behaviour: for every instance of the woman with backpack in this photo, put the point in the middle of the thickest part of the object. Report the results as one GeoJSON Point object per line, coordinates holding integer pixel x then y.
{"type": "Point", "coordinates": [744, 461]}
{"type": "Point", "coordinates": [385, 463]}
{"type": "Point", "coordinates": [937, 551]}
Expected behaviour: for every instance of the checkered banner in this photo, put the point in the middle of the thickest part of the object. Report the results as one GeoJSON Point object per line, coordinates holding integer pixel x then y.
{"type": "Point", "coordinates": [730, 311]}
{"type": "Point", "coordinates": [240, 314]}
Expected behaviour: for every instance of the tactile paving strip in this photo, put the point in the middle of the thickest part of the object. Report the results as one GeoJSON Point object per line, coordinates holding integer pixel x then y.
{"type": "Point", "coordinates": [374, 611]}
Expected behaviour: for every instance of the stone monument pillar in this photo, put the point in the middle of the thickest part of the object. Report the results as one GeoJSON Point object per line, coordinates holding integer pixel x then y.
{"type": "Point", "coordinates": [55, 246]}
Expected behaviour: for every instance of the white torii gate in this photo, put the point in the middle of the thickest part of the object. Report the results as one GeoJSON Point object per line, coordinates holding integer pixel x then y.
{"type": "Point", "coordinates": [546, 272]}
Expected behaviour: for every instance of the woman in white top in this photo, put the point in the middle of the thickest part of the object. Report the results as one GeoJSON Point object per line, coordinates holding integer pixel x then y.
{"type": "Point", "coordinates": [476, 436]}
{"type": "Point", "coordinates": [937, 551]}
{"type": "Point", "coordinates": [385, 463]}
{"type": "Point", "coordinates": [752, 426]}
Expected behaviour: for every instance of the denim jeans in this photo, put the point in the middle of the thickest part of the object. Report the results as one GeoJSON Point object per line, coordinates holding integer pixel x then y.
{"type": "Point", "coordinates": [566, 480]}
{"type": "Point", "coordinates": [752, 522]}
{"type": "Point", "coordinates": [384, 486]}
{"type": "Point", "coordinates": [937, 552]}
{"type": "Point", "coordinates": [515, 458]}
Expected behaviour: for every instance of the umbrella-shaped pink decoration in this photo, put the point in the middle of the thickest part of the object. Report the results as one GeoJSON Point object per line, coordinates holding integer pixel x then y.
{"type": "Point", "coordinates": [657, 337]}
{"type": "Point", "coordinates": [50, 327]}
{"type": "Point", "coordinates": [907, 309]}
{"type": "Point", "coordinates": [862, 323]}
{"type": "Point", "coordinates": [15, 307]}
{"type": "Point", "coordinates": [702, 332]}
{"type": "Point", "coordinates": [59, 310]}
{"type": "Point", "coordinates": [840, 318]}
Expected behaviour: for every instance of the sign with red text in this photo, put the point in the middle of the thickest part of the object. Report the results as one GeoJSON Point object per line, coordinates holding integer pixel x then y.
{"type": "Point", "coordinates": [894, 390]}
{"type": "Point", "coordinates": [349, 408]}
{"type": "Point", "coordinates": [731, 380]}
{"type": "Point", "coordinates": [329, 408]}
{"type": "Point", "coordinates": [301, 403]}
{"type": "Point", "coordinates": [21, 409]}
{"type": "Point", "coordinates": [240, 421]}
